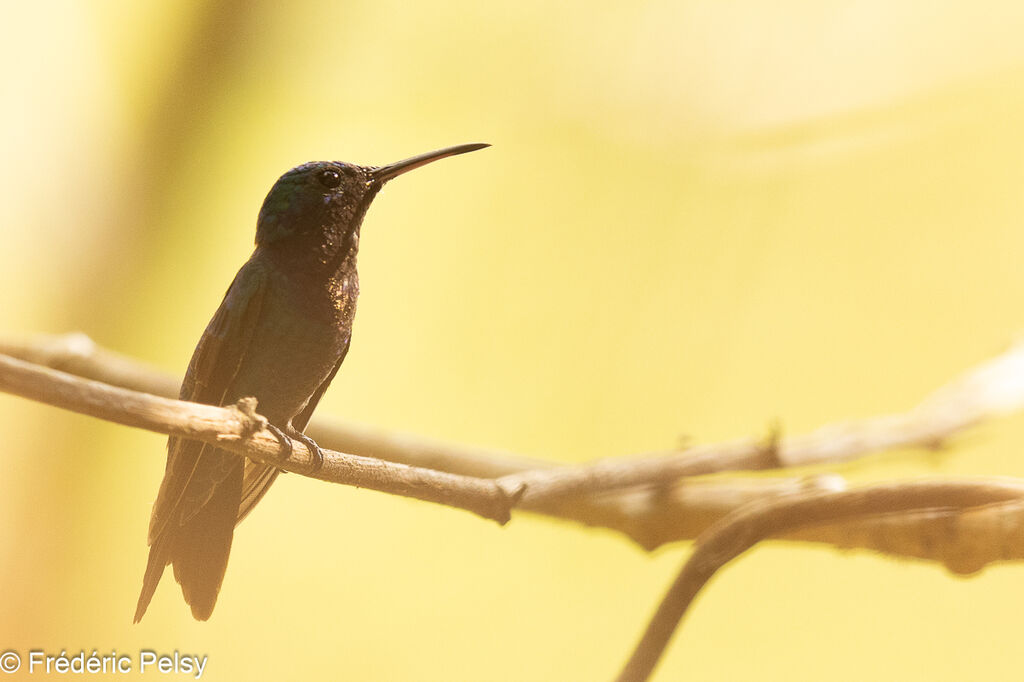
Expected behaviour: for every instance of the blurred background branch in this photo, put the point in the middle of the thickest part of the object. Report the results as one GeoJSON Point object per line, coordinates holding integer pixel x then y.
{"type": "Point", "coordinates": [1000, 500]}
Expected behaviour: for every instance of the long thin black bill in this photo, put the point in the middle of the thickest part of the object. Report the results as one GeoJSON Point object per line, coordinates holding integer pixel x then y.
{"type": "Point", "coordinates": [385, 173]}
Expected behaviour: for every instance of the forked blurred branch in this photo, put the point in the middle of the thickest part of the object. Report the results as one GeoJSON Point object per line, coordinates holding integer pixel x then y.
{"type": "Point", "coordinates": [652, 498]}
{"type": "Point", "coordinates": [995, 507]}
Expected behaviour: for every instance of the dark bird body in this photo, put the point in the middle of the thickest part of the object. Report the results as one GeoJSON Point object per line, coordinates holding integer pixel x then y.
{"type": "Point", "coordinates": [280, 335]}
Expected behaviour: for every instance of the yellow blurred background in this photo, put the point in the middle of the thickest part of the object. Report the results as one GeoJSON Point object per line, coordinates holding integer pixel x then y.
{"type": "Point", "coordinates": [697, 217]}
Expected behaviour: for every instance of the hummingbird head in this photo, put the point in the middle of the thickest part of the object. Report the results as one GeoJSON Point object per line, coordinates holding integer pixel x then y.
{"type": "Point", "coordinates": [325, 201]}
{"type": "Point", "coordinates": [312, 199]}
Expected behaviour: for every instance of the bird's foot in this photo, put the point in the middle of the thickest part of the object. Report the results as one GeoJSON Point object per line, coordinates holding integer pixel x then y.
{"type": "Point", "coordinates": [314, 449]}
{"type": "Point", "coordinates": [287, 435]}
{"type": "Point", "coordinates": [284, 439]}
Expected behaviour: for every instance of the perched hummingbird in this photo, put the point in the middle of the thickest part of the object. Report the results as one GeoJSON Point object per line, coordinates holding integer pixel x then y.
{"type": "Point", "coordinates": [280, 335]}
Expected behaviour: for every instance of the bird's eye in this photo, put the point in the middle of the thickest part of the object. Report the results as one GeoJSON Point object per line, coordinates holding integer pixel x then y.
{"type": "Point", "coordinates": [329, 178]}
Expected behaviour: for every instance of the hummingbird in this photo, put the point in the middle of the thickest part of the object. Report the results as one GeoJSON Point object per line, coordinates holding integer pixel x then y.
{"type": "Point", "coordinates": [280, 335]}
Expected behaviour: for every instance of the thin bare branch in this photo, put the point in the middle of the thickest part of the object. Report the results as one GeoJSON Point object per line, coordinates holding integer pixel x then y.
{"type": "Point", "coordinates": [991, 389]}
{"type": "Point", "coordinates": [651, 515]}
{"type": "Point", "coordinates": [240, 430]}
{"type": "Point", "coordinates": [758, 521]}
{"type": "Point", "coordinates": [76, 353]}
